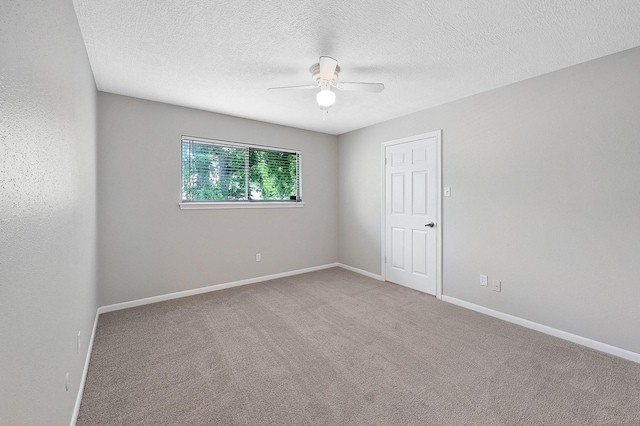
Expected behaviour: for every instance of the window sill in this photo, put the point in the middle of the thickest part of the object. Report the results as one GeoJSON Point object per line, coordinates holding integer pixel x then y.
{"type": "Point", "coordinates": [240, 205]}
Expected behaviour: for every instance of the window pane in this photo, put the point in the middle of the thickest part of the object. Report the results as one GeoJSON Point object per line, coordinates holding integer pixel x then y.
{"type": "Point", "coordinates": [219, 171]}
{"type": "Point", "coordinates": [273, 175]}
{"type": "Point", "coordinates": [213, 173]}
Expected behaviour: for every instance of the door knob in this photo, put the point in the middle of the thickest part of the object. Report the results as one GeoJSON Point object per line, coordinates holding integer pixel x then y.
{"type": "Point", "coordinates": [430, 225]}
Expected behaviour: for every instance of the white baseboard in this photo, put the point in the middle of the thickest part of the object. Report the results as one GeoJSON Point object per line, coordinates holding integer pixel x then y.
{"type": "Point", "coordinates": [85, 370]}
{"type": "Point", "coordinates": [593, 344]}
{"type": "Point", "coordinates": [361, 272]}
{"type": "Point", "coordinates": [215, 287]}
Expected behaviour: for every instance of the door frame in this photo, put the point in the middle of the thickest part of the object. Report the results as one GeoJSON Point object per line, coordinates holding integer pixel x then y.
{"type": "Point", "coordinates": [383, 238]}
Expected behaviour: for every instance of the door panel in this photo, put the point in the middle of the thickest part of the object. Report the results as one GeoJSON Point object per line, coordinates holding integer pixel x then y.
{"type": "Point", "coordinates": [419, 155]}
{"type": "Point", "coordinates": [397, 159]}
{"type": "Point", "coordinates": [419, 252]}
{"type": "Point", "coordinates": [397, 248]}
{"type": "Point", "coordinates": [420, 194]}
{"type": "Point", "coordinates": [397, 193]}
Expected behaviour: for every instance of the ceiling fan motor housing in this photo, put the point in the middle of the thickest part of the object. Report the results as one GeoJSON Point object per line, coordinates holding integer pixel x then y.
{"type": "Point", "coordinates": [315, 72]}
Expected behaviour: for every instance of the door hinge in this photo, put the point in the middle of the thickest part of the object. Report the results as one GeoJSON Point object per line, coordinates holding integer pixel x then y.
{"type": "Point", "coordinates": [385, 161]}
{"type": "Point", "coordinates": [385, 259]}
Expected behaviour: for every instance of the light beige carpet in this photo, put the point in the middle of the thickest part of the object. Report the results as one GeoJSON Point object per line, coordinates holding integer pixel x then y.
{"type": "Point", "coordinates": [336, 348]}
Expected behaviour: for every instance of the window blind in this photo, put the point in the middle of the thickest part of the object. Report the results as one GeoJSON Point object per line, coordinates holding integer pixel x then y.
{"type": "Point", "coordinates": [218, 171]}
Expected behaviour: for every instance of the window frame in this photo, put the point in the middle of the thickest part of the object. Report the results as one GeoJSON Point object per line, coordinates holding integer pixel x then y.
{"type": "Point", "coordinates": [241, 204]}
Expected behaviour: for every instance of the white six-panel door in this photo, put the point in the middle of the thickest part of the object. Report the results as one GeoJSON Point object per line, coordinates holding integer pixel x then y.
{"type": "Point", "coordinates": [411, 199]}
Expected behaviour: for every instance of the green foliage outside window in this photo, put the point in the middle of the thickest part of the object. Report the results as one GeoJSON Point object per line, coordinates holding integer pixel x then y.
{"type": "Point", "coordinates": [218, 172]}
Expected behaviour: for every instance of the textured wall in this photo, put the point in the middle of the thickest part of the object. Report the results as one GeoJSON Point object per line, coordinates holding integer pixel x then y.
{"type": "Point", "coordinates": [545, 197]}
{"type": "Point", "coordinates": [47, 210]}
{"type": "Point", "coordinates": [149, 247]}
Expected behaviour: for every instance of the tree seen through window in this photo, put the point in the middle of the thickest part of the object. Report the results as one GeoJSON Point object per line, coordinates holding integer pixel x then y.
{"type": "Point", "coordinates": [219, 172]}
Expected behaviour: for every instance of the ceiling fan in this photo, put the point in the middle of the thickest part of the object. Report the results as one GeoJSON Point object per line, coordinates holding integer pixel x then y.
{"type": "Point", "coordinates": [325, 76]}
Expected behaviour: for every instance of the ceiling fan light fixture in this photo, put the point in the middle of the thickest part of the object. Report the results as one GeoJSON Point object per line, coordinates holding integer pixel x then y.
{"type": "Point", "coordinates": [325, 76]}
{"type": "Point", "coordinates": [326, 97]}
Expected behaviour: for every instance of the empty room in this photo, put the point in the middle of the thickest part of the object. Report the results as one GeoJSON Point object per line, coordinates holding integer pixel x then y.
{"type": "Point", "coordinates": [330, 213]}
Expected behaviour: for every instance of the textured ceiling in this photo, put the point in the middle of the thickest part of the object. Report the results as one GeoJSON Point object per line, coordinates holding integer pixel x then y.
{"type": "Point", "coordinates": [222, 55]}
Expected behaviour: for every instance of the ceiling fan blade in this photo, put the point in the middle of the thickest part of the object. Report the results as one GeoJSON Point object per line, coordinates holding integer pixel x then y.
{"type": "Point", "coordinates": [327, 67]}
{"type": "Point", "coordinates": [361, 87]}
{"type": "Point", "coordinates": [308, 86]}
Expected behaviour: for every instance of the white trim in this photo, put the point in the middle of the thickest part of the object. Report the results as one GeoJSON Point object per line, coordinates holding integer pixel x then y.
{"type": "Point", "coordinates": [202, 205]}
{"type": "Point", "coordinates": [383, 214]}
{"type": "Point", "coordinates": [383, 248]}
{"type": "Point", "coordinates": [361, 272]}
{"type": "Point", "coordinates": [215, 287]}
{"type": "Point", "coordinates": [439, 260]}
{"type": "Point", "coordinates": [83, 379]}
{"type": "Point", "coordinates": [593, 344]}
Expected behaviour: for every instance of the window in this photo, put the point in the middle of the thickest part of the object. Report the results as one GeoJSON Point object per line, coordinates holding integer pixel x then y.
{"type": "Point", "coordinates": [232, 174]}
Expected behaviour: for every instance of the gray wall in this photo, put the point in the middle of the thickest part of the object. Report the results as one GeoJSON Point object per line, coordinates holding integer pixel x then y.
{"type": "Point", "coordinates": [149, 247]}
{"type": "Point", "coordinates": [47, 210]}
{"type": "Point", "coordinates": [545, 178]}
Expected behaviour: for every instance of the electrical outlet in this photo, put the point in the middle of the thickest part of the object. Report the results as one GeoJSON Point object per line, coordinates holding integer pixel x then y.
{"type": "Point", "coordinates": [484, 280]}
{"type": "Point", "coordinates": [78, 344]}
{"type": "Point", "coordinates": [447, 191]}
{"type": "Point", "coordinates": [497, 285]}
{"type": "Point", "coordinates": [258, 257]}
